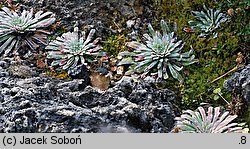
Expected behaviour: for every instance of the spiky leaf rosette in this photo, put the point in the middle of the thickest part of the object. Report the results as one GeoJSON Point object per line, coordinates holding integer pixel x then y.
{"type": "Point", "coordinates": [213, 122]}
{"type": "Point", "coordinates": [18, 29]}
{"type": "Point", "coordinates": [160, 55]}
{"type": "Point", "coordinates": [71, 51]}
{"type": "Point", "coordinates": [208, 21]}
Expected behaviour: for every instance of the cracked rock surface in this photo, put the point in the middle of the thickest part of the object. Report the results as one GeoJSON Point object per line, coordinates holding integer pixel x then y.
{"type": "Point", "coordinates": [32, 102]}
{"type": "Point", "coordinates": [38, 103]}
{"type": "Point", "coordinates": [98, 14]}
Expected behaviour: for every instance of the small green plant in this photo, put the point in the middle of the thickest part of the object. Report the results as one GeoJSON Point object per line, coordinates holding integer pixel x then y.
{"type": "Point", "coordinates": [207, 21]}
{"type": "Point", "coordinates": [71, 51]}
{"type": "Point", "coordinates": [115, 44]}
{"type": "Point", "coordinates": [218, 94]}
{"type": "Point", "coordinates": [212, 122]}
{"type": "Point", "coordinates": [23, 29]}
{"type": "Point", "coordinates": [160, 55]}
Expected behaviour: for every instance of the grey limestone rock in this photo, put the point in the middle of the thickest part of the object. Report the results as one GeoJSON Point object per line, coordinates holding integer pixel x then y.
{"type": "Point", "coordinates": [30, 102]}
{"type": "Point", "coordinates": [39, 104]}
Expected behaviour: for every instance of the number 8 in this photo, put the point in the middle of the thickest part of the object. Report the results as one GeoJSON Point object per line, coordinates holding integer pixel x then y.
{"type": "Point", "coordinates": [243, 140]}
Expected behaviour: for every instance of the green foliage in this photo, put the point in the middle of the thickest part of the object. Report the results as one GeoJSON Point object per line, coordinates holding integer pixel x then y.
{"type": "Point", "coordinates": [115, 44]}
{"type": "Point", "coordinates": [216, 55]}
{"type": "Point", "coordinates": [213, 122]}
{"type": "Point", "coordinates": [207, 21]}
{"type": "Point", "coordinates": [160, 55]}
{"type": "Point", "coordinates": [178, 11]}
{"type": "Point", "coordinates": [71, 51]}
{"type": "Point", "coordinates": [24, 28]}
{"type": "Point", "coordinates": [217, 91]}
{"type": "Point", "coordinates": [240, 17]}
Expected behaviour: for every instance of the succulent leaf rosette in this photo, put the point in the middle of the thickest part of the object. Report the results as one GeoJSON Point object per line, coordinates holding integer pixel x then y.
{"type": "Point", "coordinates": [159, 56]}
{"type": "Point", "coordinates": [70, 51]}
{"type": "Point", "coordinates": [19, 29]}
{"type": "Point", "coordinates": [214, 121]}
{"type": "Point", "coordinates": [208, 21]}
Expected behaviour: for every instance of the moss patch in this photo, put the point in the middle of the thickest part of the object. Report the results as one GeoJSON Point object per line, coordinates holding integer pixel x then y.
{"type": "Point", "coordinates": [216, 56]}
{"type": "Point", "coordinates": [115, 44]}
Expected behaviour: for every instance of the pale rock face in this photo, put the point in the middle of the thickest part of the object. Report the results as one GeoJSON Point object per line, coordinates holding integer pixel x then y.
{"type": "Point", "coordinates": [44, 104]}
{"type": "Point", "coordinates": [33, 102]}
